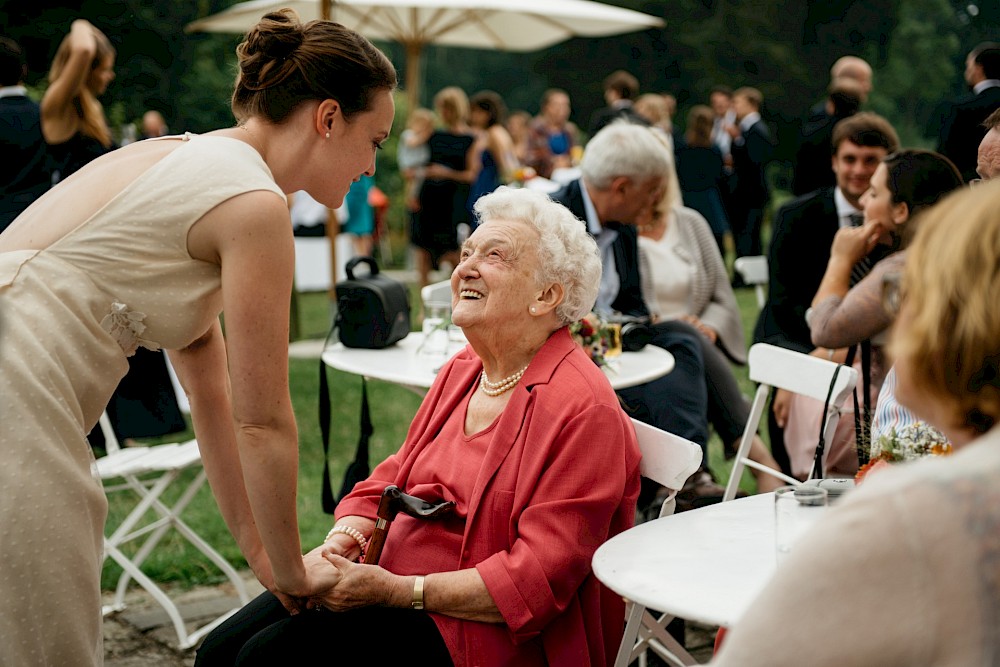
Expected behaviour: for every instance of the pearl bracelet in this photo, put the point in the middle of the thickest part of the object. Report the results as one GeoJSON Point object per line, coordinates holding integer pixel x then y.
{"type": "Point", "coordinates": [350, 532]}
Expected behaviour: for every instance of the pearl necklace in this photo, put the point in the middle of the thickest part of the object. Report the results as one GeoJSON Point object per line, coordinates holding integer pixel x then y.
{"type": "Point", "coordinates": [504, 385]}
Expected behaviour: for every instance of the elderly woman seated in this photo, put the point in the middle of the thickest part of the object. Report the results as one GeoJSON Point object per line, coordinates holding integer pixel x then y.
{"type": "Point", "coordinates": [524, 433]}
{"type": "Point", "coordinates": [905, 570]}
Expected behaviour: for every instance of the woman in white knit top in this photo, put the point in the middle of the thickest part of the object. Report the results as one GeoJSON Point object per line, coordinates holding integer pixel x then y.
{"type": "Point", "coordinates": [684, 281]}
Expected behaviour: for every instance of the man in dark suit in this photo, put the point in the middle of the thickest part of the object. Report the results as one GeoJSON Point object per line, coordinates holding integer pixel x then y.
{"type": "Point", "coordinates": [800, 246]}
{"type": "Point", "coordinates": [623, 178]}
{"type": "Point", "coordinates": [962, 128]}
{"type": "Point", "coordinates": [24, 171]}
{"type": "Point", "coordinates": [620, 88]}
{"type": "Point", "coordinates": [751, 149]}
{"type": "Point", "coordinates": [812, 158]}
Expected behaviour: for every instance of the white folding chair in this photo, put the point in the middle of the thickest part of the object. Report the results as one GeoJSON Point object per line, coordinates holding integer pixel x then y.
{"type": "Point", "coordinates": [148, 472]}
{"type": "Point", "coordinates": [436, 292]}
{"type": "Point", "coordinates": [669, 460]}
{"type": "Point", "coordinates": [772, 366]}
{"type": "Point", "coordinates": [753, 270]}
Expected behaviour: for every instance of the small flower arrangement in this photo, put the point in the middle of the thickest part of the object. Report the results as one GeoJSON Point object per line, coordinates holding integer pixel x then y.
{"type": "Point", "coordinates": [599, 339]}
{"type": "Point", "coordinates": [912, 442]}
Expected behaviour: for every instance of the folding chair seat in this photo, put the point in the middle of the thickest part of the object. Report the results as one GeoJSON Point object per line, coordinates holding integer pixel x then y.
{"type": "Point", "coordinates": [753, 270]}
{"type": "Point", "coordinates": [669, 460]}
{"type": "Point", "coordinates": [772, 366]}
{"type": "Point", "coordinates": [148, 472]}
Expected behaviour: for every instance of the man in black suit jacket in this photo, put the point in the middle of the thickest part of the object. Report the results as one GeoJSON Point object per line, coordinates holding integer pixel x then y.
{"type": "Point", "coordinates": [751, 149]}
{"type": "Point", "coordinates": [803, 234]}
{"type": "Point", "coordinates": [963, 125]}
{"type": "Point", "coordinates": [812, 158]}
{"type": "Point", "coordinates": [24, 171]}
{"type": "Point", "coordinates": [620, 88]}
{"type": "Point", "coordinates": [623, 178]}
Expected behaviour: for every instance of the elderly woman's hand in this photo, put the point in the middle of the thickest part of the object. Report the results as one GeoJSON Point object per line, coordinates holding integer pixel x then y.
{"type": "Point", "coordinates": [851, 244]}
{"type": "Point", "coordinates": [356, 585]}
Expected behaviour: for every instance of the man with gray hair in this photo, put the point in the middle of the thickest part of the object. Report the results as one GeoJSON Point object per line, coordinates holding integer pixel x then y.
{"type": "Point", "coordinates": [623, 179]}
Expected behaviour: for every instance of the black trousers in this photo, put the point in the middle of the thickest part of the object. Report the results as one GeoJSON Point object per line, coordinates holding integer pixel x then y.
{"type": "Point", "coordinates": [263, 633]}
{"type": "Point", "coordinates": [678, 401]}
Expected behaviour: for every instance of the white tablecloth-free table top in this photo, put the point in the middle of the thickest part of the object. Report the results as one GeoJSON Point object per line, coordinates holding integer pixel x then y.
{"type": "Point", "coordinates": [706, 565]}
{"type": "Point", "coordinates": [403, 364]}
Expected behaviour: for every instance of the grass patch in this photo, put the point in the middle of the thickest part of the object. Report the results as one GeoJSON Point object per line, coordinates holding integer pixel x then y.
{"type": "Point", "coordinates": [392, 410]}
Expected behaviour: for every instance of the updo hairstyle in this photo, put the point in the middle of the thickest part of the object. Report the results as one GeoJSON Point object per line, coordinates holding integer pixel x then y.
{"type": "Point", "coordinates": [283, 63]}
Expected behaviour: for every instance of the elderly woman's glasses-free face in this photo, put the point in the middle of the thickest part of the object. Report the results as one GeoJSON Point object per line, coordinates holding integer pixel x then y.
{"type": "Point", "coordinates": [892, 292]}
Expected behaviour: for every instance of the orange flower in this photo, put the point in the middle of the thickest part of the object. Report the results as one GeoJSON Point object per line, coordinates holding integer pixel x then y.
{"type": "Point", "coordinates": [868, 468]}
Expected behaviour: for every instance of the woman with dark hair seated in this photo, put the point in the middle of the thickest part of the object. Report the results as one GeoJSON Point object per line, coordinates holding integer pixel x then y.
{"type": "Point", "coordinates": [845, 311]}
{"type": "Point", "coordinates": [904, 571]}
{"type": "Point", "coordinates": [524, 433]}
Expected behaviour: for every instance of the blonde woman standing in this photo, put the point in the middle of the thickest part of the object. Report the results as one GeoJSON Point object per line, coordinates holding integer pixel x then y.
{"type": "Point", "coordinates": [73, 121]}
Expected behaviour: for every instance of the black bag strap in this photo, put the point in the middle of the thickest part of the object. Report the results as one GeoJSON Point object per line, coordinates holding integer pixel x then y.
{"type": "Point", "coordinates": [817, 469]}
{"type": "Point", "coordinates": [329, 502]}
{"type": "Point", "coordinates": [863, 419]}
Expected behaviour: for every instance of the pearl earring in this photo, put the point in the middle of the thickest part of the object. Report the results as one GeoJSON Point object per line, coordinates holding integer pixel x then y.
{"type": "Point", "coordinates": [327, 135]}
{"type": "Point", "coordinates": [532, 309]}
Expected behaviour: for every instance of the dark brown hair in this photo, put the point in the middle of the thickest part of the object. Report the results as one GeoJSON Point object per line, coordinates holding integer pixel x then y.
{"type": "Point", "coordinates": [283, 63]}
{"type": "Point", "coordinates": [623, 83]}
{"type": "Point", "coordinates": [492, 104]}
{"type": "Point", "coordinates": [865, 129]}
{"type": "Point", "coordinates": [920, 178]}
{"type": "Point", "coordinates": [699, 126]}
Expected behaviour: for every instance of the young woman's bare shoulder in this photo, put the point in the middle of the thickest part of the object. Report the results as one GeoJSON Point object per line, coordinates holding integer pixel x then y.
{"type": "Point", "coordinates": [257, 217]}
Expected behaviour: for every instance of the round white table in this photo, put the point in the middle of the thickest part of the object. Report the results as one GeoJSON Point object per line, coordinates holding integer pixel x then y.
{"type": "Point", "coordinates": [403, 364]}
{"type": "Point", "coordinates": [706, 565]}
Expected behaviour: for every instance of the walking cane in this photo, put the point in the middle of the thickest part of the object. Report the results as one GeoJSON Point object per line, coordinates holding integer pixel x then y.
{"type": "Point", "coordinates": [392, 502]}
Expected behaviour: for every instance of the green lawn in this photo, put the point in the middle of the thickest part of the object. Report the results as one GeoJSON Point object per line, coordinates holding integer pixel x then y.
{"type": "Point", "coordinates": [392, 409]}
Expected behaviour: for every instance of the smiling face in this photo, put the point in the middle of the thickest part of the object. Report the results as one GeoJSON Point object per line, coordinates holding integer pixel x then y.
{"type": "Point", "coordinates": [350, 150]}
{"type": "Point", "coordinates": [854, 167]}
{"type": "Point", "coordinates": [495, 282]}
{"type": "Point", "coordinates": [889, 216]}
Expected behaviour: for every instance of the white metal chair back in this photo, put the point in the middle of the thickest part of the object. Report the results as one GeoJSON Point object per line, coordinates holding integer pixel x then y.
{"type": "Point", "coordinates": [772, 366]}
{"type": "Point", "coordinates": [436, 292]}
{"type": "Point", "coordinates": [148, 472]}
{"type": "Point", "coordinates": [753, 270]}
{"type": "Point", "coordinates": [669, 460]}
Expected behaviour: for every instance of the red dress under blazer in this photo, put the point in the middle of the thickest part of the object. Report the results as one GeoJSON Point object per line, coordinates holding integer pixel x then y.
{"type": "Point", "coordinates": [560, 477]}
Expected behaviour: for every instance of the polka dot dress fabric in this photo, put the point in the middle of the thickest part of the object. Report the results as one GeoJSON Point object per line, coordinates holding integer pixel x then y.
{"type": "Point", "coordinates": [59, 367]}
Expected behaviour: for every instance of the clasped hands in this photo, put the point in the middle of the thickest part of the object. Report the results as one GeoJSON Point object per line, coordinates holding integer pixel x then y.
{"type": "Point", "coordinates": [337, 583]}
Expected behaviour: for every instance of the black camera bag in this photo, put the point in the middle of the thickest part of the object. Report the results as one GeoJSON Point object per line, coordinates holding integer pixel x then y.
{"type": "Point", "coordinates": [373, 311]}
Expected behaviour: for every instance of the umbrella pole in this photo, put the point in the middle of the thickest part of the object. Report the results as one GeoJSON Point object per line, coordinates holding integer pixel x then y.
{"type": "Point", "coordinates": [414, 52]}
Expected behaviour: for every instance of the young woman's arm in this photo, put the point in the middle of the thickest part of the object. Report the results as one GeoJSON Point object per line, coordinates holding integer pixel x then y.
{"type": "Point", "coordinates": [59, 119]}
{"type": "Point", "coordinates": [250, 237]}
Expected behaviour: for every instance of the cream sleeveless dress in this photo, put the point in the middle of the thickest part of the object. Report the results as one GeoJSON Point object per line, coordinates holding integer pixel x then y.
{"type": "Point", "coordinates": [69, 316]}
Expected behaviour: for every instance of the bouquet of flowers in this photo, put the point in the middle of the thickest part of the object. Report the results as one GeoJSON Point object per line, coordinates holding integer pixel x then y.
{"type": "Point", "coordinates": [599, 339]}
{"type": "Point", "coordinates": [913, 441]}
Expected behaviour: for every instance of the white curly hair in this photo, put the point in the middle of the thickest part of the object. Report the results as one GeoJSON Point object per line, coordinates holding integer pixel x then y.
{"type": "Point", "coordinates": [567, 254]}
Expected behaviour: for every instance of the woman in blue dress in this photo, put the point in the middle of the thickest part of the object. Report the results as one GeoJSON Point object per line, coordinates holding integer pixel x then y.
{"type": "Point", "coordinates": [700, 171]}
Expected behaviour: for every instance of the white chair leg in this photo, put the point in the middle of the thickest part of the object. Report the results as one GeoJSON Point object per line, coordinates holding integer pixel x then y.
{"type": "Point", "coordinates": [633, 615]}
{"type": "Point", "coordinates": [756, 410]}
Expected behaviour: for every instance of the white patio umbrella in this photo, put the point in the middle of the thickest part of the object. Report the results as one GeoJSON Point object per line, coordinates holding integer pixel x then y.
{"type": "Point", "coordinates": [504, 25]}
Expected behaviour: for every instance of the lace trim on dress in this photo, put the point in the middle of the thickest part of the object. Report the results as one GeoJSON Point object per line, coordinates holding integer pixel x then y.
{"type": "Point", "coordinates": [126, 327]}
